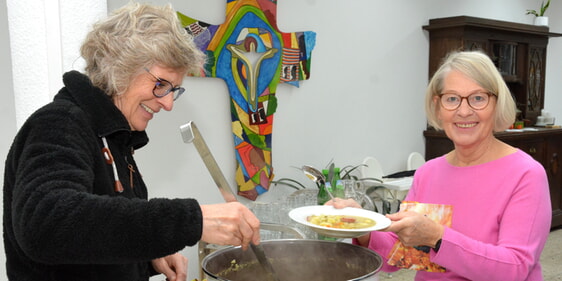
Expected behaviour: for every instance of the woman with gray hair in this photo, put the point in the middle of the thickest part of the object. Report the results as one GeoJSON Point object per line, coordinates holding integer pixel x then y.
{"type": "Point", "coordinates": [75, 204]}
{"type": "Point", "coordinates": [499, 195]}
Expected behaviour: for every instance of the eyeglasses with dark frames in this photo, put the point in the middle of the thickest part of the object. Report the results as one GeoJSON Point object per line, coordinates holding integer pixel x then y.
{"type": "Point", "coordinates": [476, 101]}
{"type": "Point", "coordinates": [163, 87]}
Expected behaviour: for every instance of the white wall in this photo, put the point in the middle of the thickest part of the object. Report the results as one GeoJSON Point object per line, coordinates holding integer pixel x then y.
{"type": "Point", "coordinates": [7, 109]}
{"type": "Point", "coordinates": [7, 106]}
{"type": "Point", "coordinates": [364, 97]}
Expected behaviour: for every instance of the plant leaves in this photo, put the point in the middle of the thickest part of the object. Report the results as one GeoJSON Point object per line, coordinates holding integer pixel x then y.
{"type": "Point", "coordinates": [532, 12]}
{"type": "Point", "coordinates": [348, 170]}
{"type": "Point", "coordinates": [544, 7]}
{"type": "Point", "coordinates": [289, 182]}
{"type": "Point", "coordinates": [331, 173]}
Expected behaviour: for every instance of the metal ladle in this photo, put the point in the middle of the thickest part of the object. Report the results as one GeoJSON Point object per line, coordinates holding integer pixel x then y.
{"type": "Point", "coordinates": [317, 177]}
{"type": "Point", "coordinates": [191, 134]}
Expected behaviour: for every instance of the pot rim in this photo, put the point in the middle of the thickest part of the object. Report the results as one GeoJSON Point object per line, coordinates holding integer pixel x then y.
{"type": "Point", "coordinates": [280, 241]}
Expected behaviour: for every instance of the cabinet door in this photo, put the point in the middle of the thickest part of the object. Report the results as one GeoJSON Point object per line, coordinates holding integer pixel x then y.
{"type": "Point", "coordinates": [554, 172]}
{"type": "Point", "coordinates": [475, 45]}
{"type": "Point", "coordinates": [437, 146]}
{"type": "Point", "coordinates": [533, 147]}
{"type": "Point", "coordinates": [535, 83]}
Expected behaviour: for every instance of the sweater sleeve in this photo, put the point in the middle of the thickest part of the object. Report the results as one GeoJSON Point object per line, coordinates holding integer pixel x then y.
{"type": "Point", "coordinates": [57, 220]}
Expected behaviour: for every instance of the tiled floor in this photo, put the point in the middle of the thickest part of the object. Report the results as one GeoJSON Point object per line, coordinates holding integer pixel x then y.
{"type": "Point", "coordinates": [551, 261]}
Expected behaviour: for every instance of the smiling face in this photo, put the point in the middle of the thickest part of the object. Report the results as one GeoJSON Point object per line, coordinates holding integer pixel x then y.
{"type": "Point", "coordinates": [466, 127]}
{"type": "Point", "coordinates": [138, 104]}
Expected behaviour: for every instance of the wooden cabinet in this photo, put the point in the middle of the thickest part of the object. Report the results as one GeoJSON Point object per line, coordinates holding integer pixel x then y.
{"type": "Point", "coordinates": [544, 145]}
{"type": "Point", "coordinates": [518, 50]}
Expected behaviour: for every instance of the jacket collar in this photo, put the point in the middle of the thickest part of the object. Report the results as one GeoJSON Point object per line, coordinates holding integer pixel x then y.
{"type": "Point", "coordinates": [105, 117]}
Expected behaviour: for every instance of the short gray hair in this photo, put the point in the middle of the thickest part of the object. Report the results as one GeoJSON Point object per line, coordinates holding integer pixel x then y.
{"type": "Point", "coordinates": [137, 36]}
{"type": "Point", "coordinates": [480, 68]}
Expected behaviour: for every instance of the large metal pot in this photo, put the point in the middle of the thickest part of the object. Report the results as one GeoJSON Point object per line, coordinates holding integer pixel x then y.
{"type": "Point", "coordinates": [295, 259]}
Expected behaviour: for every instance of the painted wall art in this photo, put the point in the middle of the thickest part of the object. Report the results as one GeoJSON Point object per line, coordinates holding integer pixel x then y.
{"type": "Point", "coordinates": [252, 56]}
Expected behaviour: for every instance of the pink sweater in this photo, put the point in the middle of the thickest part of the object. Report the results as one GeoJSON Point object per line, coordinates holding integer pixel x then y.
{"type": "Point", "coordinates": [501, 218]}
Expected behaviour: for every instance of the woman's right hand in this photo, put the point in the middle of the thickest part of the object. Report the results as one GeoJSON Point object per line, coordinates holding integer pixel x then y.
{"type": "Point", "coordinates": [230, 224]}
{"type": "Point", "coordinates": [340, 203]}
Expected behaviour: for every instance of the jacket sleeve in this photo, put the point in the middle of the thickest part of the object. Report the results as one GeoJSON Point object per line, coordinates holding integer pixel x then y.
{"type": "Point", "coordinates": [55, 217]}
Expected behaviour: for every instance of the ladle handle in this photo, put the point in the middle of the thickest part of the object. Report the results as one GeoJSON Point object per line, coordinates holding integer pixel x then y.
{"type": "Point", "coordinates": [262, 259]}
{"type": "Point", "coordinates": [222, 184]}
{"type": "Point", "coordinates": [209, 161]}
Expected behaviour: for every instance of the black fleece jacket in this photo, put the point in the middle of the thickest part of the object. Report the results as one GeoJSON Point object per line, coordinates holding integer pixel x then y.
{"type": "Point", "coordinates": [63, 219]}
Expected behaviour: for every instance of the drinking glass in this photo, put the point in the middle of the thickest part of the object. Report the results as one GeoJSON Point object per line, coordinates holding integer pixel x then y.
{"type": "Point", "coordinates": [356, 190]}
{"type": "Point", "coordinates": [349, 187]}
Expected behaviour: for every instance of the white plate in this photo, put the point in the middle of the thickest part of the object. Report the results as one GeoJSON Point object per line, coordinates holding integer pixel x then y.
{"type": "Point", "coordinates": [301, 214]}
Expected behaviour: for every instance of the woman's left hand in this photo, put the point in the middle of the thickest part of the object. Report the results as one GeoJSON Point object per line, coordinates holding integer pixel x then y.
{"type": "Point", "coordinates": [415, 229]}
{"type": "Point", "coordinates": [173, 266]}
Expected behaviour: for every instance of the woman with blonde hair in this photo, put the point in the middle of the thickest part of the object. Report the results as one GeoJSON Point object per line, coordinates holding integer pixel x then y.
{"type": "Point", "coordinates": [500, 200]}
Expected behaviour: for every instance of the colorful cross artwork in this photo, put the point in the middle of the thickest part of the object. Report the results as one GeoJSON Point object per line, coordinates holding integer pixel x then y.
{"type": "Point", "coordinates": [252, 56]}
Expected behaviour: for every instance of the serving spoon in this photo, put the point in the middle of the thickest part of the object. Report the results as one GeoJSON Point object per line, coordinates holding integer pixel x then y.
{"type": "Point", "coordinates": [191, 134]}
{"type": "Point", "coordinates": [317, 177]}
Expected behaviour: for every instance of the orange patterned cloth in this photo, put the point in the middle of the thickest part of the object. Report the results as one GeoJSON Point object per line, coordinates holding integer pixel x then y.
{"type": "Point", "coordinates": [411, 258]}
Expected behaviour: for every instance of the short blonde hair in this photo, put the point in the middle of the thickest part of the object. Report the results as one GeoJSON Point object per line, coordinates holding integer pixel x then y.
{"type": "Point", "coordinates": [137, 36]}
{"type": "Point", "coordinates": [480, 68]}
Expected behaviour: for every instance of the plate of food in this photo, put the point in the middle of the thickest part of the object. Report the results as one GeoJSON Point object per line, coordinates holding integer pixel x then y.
{"type": "Point", "coordinates": [339, 223]}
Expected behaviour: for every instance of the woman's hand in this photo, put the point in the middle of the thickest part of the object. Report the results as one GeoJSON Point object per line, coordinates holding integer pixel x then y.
{"type": "Point", "coordinates": [340, 203]}
{"type": "Point", "coordinates": [415, 229]}
{"type": "Point", "coordinates": [230, 224]}
{"type": "Point", "coordinates": [173, 266]}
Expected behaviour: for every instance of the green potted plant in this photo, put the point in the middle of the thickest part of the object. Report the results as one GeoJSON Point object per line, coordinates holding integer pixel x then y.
{"type": "Point", "coordinates": [331, 177]}
{"type": "Point", "coordinates": [540, 18]}
{"type": "Point", "coordinates": [332, 173]}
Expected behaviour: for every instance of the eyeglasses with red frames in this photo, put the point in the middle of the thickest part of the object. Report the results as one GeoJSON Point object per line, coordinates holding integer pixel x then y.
{"type": "Point", "coordinates": [476, 101]}
{"type": "Point", "coordinates": [163, 87]}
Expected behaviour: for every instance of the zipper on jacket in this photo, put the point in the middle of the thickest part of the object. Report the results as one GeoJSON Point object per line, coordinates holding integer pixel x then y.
{"type": "Point", "coordinates": [131, 170]}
